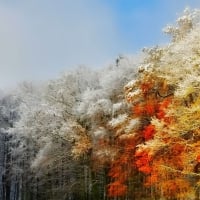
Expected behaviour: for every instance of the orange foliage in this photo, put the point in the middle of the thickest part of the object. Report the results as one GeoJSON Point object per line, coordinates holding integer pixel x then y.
{"type": "Point", "coordinates": [150, 108]}
{"type": "Point", "coordinates": [116, 189]}
{"type": "Point", "coordinates": [149, 132]}
{"type": "Point", "coordinates": [138, 109]}
{"type": "Point", "coordinates": [146, 169]}
{"type": "Point", "coordinates": [116, 171]}
{"type": "Point", "coordinates": [142, 162]}
{"type": "Point", "coordinates": [198, 158]}
{"type": "Point", "coordinates": [171, 188]}
{"type": "Point", "coordinates": [119, 176]}
{"type": "Point", "coordinates": [145, 87]}
{"type": "Point", "coordinates": [149, 105]}
{"type": "Point", "coordinates": [121, 168]}
{"type": "Point", "coordinates": [177, 149]}
{"type": "Point", "coordinates": [151, 179]}
{"type": "Point", "coordinates": [161, 108]}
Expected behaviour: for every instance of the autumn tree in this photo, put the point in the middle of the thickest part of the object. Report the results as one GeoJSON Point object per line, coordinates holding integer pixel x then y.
{"type": "Point", "coordinates": [115, 133]}
{"type": "Point", "coordinates": [165, 99]}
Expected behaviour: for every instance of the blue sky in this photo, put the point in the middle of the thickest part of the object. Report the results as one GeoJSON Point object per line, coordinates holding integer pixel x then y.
{"type": "Point", "coordinates": [41, 38]}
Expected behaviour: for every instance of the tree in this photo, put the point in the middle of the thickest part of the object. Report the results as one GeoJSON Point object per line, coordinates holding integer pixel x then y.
{"type": "Point", "coordinates": [166, 101]}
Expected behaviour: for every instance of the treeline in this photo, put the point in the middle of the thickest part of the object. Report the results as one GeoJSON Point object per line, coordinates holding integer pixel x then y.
{"type": "Point", "coordinates": [129, 131]}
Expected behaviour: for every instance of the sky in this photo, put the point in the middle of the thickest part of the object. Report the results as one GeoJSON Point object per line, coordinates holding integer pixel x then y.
{"type": "Point", "coordinates": [39, 39]}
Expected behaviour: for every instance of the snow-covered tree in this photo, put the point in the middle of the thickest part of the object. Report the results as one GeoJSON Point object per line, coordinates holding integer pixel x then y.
{"type": "Point", "coordinates": [165, 99]}
{"type": "Point", "coordinates": [128, 131]}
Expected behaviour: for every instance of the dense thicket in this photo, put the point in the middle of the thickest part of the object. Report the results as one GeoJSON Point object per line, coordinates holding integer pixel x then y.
{"type": "Point", "coordinates": [129, 131]}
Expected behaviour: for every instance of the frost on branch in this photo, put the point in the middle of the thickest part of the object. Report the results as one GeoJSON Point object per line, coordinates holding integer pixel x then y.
{"type": "Point", "coordinates": [165, 98]}
{"type": "Point", "coordinates": [121, 132]}
{"type": "Point", "coordinates": [185, 23]}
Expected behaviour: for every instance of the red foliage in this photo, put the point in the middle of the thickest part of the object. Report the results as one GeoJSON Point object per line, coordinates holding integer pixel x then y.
{"type": "Point", "coordinates": [138, 109]}
{"type": "Point", "coordinates": [150, 108]}
{"type": "Point", "coordinates": [172, 187]}
{"type": "Point", "coordinates": [145, 109]}
{"type": "Point", "coordinates": [151, 179]}
{"type": "Point", "coordinates": [142, 162]}
{"type": "Point", "coordinates": [116, 171]}
{"type": "Point", "coordinates": [121, 168]}
{"type": "Point", "coordinates": [145, 169]}
{"type": "Point", "coordinates": [149, 105]}
{"type": "Point", "coordinates": [116, 189]}
{"type": "Point", "coordinates": [145, 87]}
{"type": "Point", "coordinates": [149, 132]}
{"type": "Point", "coordinates": [198, 158]}
{"type": "Point", "coordinates": [177, 149]}
{"type": "Point", "coordinates": [119, 176]}
{"type": "Point", "coordinates": [161, 108]}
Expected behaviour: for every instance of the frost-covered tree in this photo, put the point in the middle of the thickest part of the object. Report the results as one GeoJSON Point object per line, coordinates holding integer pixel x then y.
{"type": "Point", "coordinates": [128, 131]}
{"type": "Point", "coordinates": [10, 175]}
{"type": "Point", "coordinates": [165, 99]}
{"type": "Point", "coordinates": [67, 117]}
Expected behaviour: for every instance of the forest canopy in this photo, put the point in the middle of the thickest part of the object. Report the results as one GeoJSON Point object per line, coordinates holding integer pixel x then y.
{"type": "Point", "coordinates": [128, 131]}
